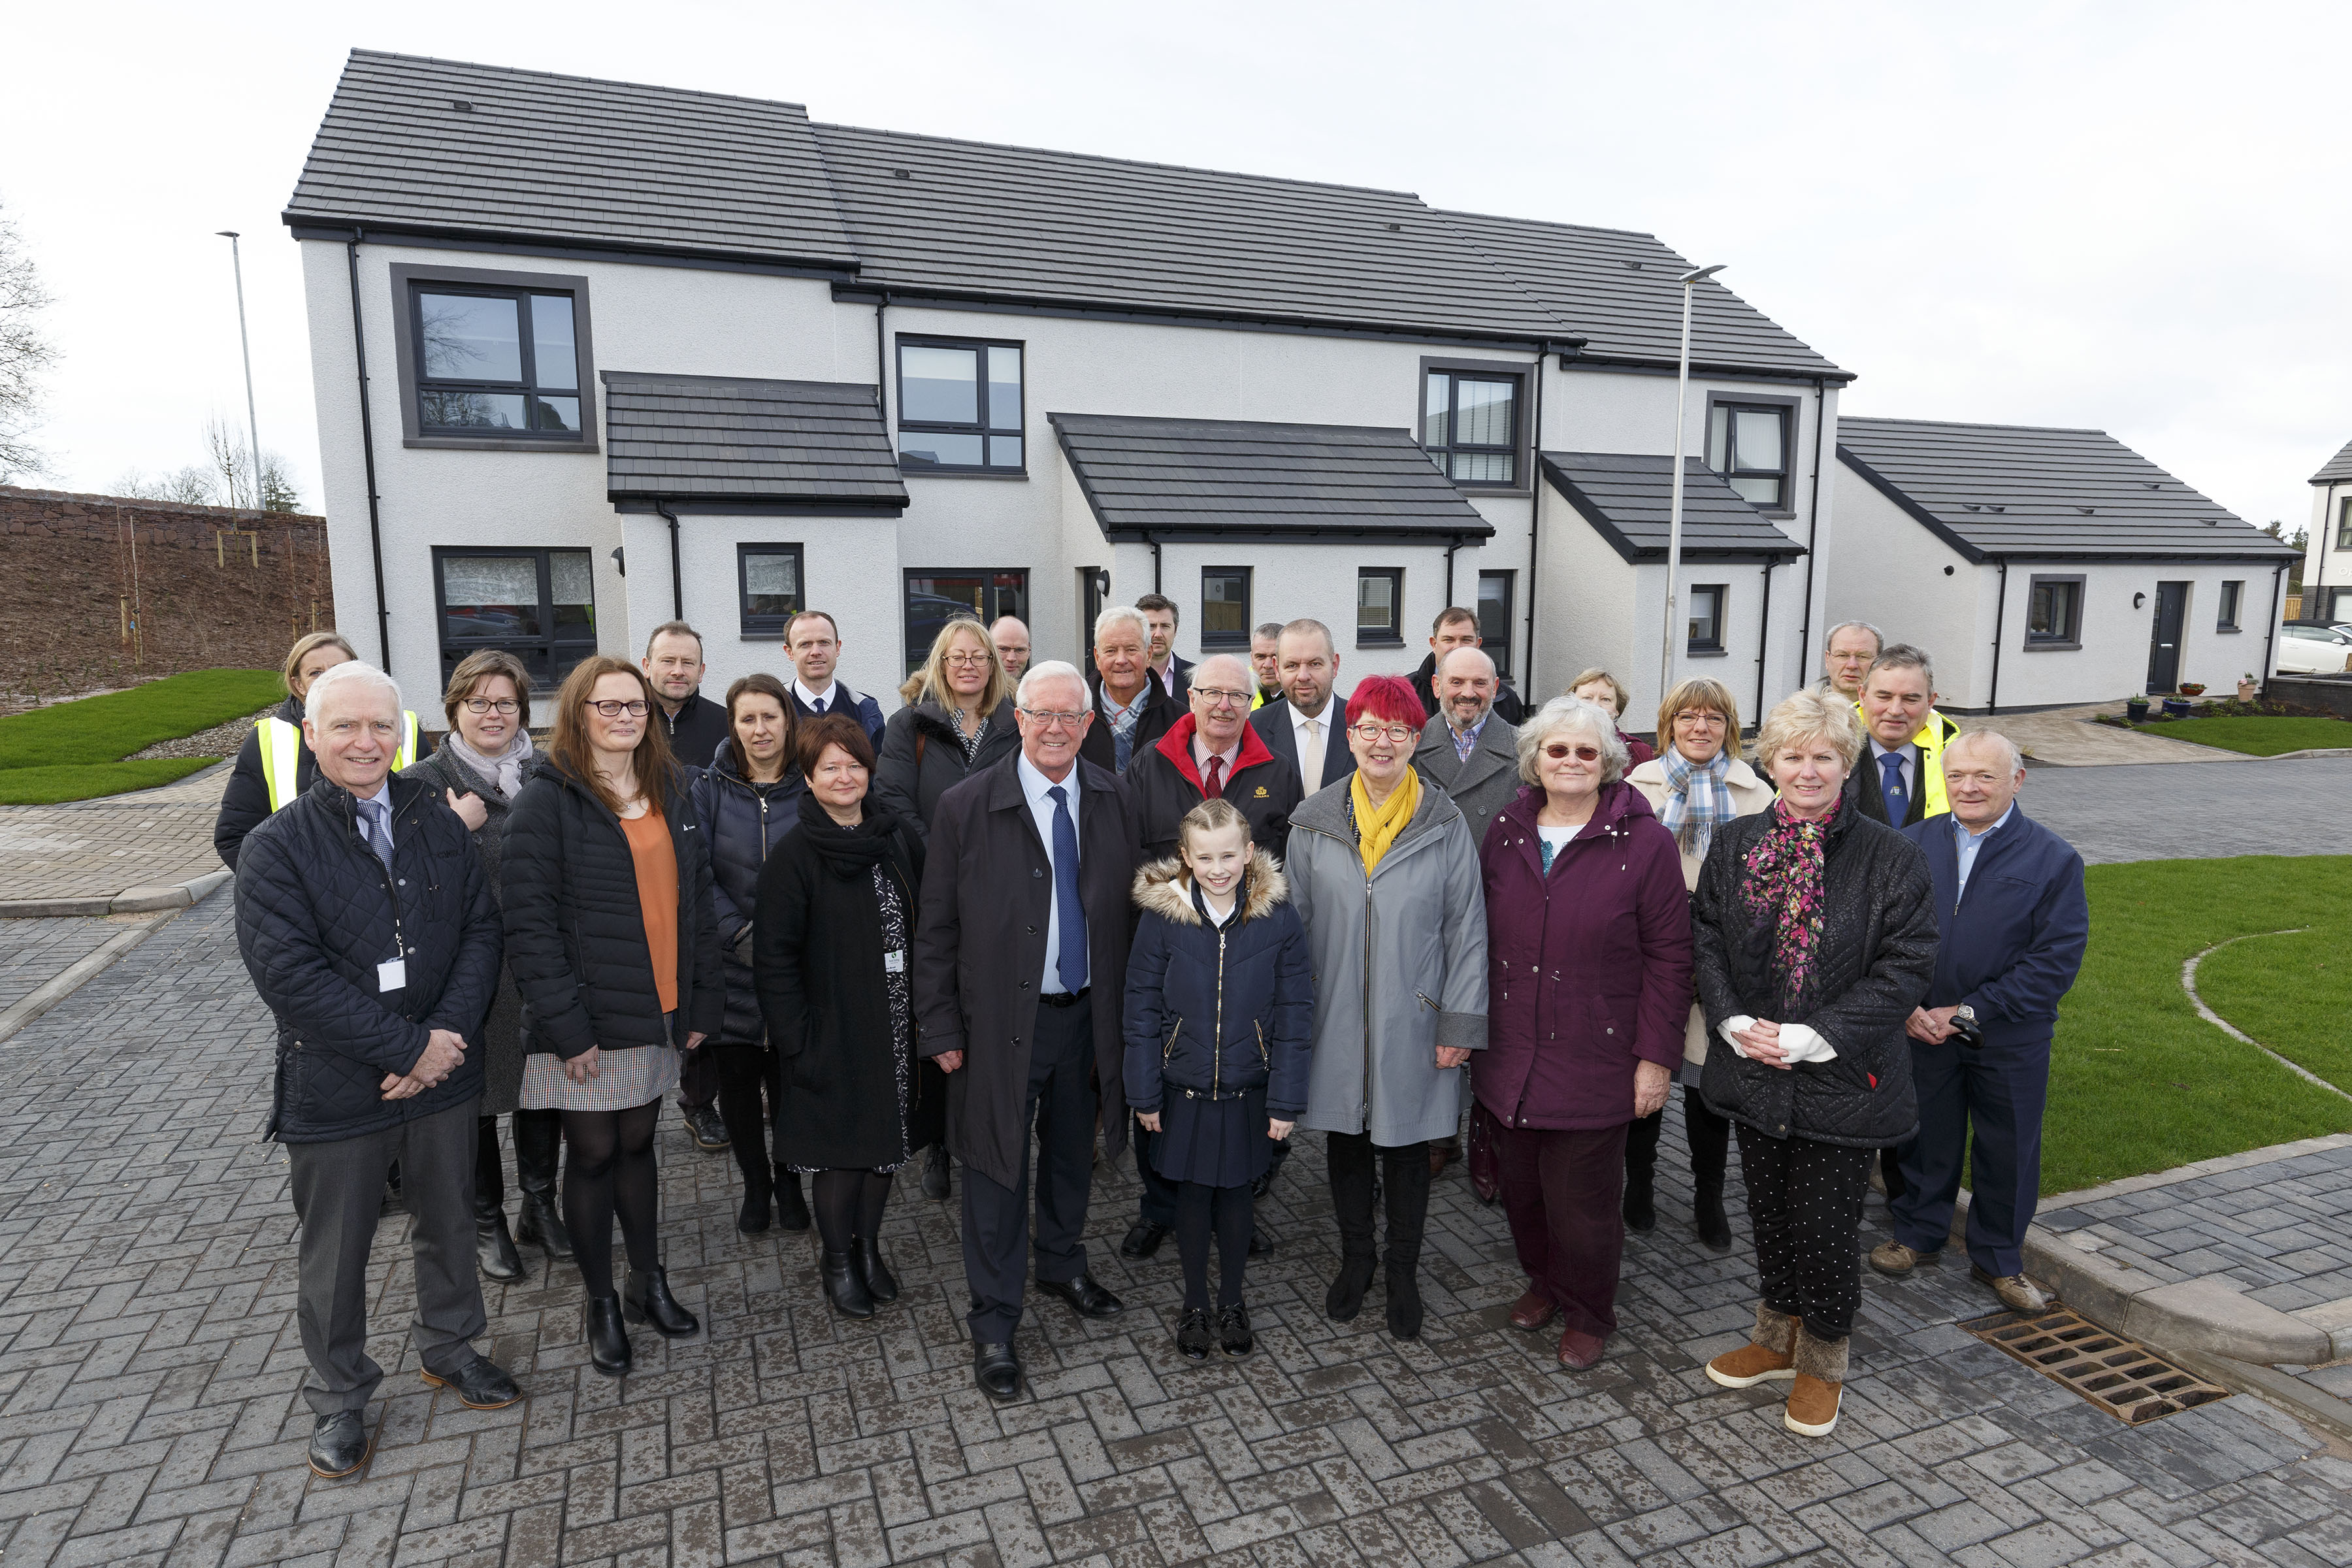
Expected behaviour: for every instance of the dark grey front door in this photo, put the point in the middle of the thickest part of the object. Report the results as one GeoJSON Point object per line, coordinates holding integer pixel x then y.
{"type": "Point", "coordinates": [2164, 643]}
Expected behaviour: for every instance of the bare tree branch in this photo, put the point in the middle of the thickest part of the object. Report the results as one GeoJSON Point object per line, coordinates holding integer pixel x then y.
{"type": "Point", "coordinates": [24, 353]}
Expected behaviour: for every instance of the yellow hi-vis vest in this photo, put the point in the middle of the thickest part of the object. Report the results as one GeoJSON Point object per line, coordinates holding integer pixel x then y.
{"type": "Point", "coordinates": [281, 753]}
{"type": "Point", "coordinates": [1935, 732]}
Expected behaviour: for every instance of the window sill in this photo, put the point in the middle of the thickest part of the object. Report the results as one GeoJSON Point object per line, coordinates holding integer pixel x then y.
{"type": "Point", "coordinates": [2228, 631]}
{"type": "Point", "coordinates": [1241, 647]}
{"type": "Point", "coordinates": [761, 636]}
{"type": "Point", "coordinates": [1707, 653]}
{"type": "Point", "coordinates": [930, 472]}
{"type": "Point", "coordinates": [1380, 642]}
{"type": "Point", "coordinates": [2053, 646]}
{"type": "Point", "coordinates": [493, 444]}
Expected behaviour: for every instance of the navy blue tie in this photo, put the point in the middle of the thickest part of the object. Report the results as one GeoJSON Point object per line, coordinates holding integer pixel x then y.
{"type": "Point", "coordinates": [1071, 962]}
{"type": "Point", "coordinates": [1898, 803]}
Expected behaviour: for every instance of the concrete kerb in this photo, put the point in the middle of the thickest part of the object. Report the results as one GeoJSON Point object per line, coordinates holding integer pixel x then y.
{"type": "Point", "coordinates": [129, 901]}
{"type": "Point", "coordinates": [59, 987]}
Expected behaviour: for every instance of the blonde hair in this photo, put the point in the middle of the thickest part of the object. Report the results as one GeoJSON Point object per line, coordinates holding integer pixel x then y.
{"type": "Point", "coordinates": [1622, 696]}
{"type": "Point", "coordinates": [1209, 816]}
{"type": "Point", "coordinates": [1699, 695]}
{"type": "Point", "coordinates": [931, 681]}
{"type": "Point", "coordinates": [1809, 715]}
{"type": "Point", "coordinates": [304, 647]}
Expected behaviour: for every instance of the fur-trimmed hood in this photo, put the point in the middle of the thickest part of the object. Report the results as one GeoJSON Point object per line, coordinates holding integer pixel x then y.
{"type": "Point", "coordinates": [1164, 888]}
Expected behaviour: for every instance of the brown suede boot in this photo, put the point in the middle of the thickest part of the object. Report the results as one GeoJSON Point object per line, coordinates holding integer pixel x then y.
{"type": "Point", "coordinates": [1768, 1357]}
{"type": "Point", "coordinates": [1821, 1381]}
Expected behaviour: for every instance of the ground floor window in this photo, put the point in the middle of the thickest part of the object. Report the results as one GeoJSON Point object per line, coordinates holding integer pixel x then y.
{"type": "Point", "coordinates": [933, 598]}
{"type": "Point", "coordinates": [1706, 602]}
{"type": "Point", "coordinates": [1494, 619]}
{"type": "Point", "coordinates": [2053, 612]}
{"type": "Point", "coordinates": [1225, 608]}
{"type": "Point", "coordinates": [1379, 607]}
{"type": "Point", "coordinates": [2232, 593]}
{"type": "Point", "coordinates": [538, 604]}
{"type": "Point", "coordinates": [768, 582]}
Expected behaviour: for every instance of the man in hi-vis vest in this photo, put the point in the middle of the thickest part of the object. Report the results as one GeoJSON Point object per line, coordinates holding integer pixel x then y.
{"type": "Point", "coordinates": [1899, 779]}
{"type": "Point", "coordinates": [275, 764]}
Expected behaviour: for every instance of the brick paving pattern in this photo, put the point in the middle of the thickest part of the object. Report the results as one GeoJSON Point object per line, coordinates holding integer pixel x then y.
{"type": "Point", "coordinates": [34, 951]}
{"type": "Point", "coordinates": [98, 849]}
{"type": "Point", "coordinates": [2175, 810]}
{"type": "Point", "coordinates": [149, 1368]}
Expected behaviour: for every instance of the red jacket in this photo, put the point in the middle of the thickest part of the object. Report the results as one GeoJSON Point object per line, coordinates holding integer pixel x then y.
{"type": "Point", "coordinates": [1587, 968]}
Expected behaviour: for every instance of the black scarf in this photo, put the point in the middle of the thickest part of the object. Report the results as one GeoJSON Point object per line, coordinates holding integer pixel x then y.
{"type": "Point", "coordinates": [851, 852]}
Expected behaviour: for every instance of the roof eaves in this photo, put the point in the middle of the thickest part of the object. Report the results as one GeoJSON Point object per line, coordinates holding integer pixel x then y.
{"type": "Point", "coordinates": [1911, 509]}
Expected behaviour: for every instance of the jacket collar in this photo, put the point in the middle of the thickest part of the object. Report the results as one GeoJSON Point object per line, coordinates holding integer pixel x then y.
{"type": "Point", "coordinates": [1619, 804]}
{"type": "Point", "coordinates": [1738, 775]}
{"type": "Point", "coordinates": [932, 714]}
{"type": "Point", "coordinates": [1497, 747]}
{"type": "Point", "coordinates": [1326, 811]}
{"type": "Point", "coordinates": [723, 770]}
{"type": "Point", "coordinates": [1004, 791]}
{"type": "Point", "coordinates": [1177, 747]}
{"type": "Point", "coordinates": [1164, 888]}
{"type": "Point", "coordinates": [406, 792]}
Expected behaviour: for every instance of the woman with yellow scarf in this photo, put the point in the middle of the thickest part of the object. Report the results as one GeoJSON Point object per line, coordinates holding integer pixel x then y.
{"type": "Point", "coordinates": [1384, 873]}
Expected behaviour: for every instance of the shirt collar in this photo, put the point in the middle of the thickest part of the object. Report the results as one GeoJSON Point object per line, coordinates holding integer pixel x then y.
{"type": "Point", "coordinates": [1110, 704]}
{"type": "Point", "coordinates": [1472, 732]}
{"type": "Point", "coordinates": [812, 699]}
{"type": "Point", "coordinates": [1906, 751]}
{"type": "Point", "coordinates": [1963, 830]}
{"type": "Point", "coordinates": [1298, 716]}
{"type": "Point", "coordinates": [1201, 753]}
{"type": "Point", "coordinates": [1033, 784]}
{"type": "Point", "coordinates": [382, 793]}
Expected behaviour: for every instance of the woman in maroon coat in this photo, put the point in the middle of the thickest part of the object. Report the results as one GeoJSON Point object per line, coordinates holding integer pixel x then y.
{"type": "Point", "coordinates": [1589, 952]}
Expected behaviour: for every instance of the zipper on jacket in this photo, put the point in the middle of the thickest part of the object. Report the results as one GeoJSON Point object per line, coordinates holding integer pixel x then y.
{"type": "Point", "coordinates": [1170, 1049]}
{"type": "Point", "coordinates": [1263, 1060]}
{"type": "Point", "coordinates": [1217, 1042]}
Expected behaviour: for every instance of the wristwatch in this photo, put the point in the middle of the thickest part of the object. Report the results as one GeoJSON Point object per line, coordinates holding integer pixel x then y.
{"type": "Point", "coordinates": [1964, 1014]}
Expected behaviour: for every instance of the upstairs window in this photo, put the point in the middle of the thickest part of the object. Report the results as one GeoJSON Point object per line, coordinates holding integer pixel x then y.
{"type": "Point", "coordinates": [959, 407]}
{"type": "Point", "coordinates": [1494, 619]}
{"type": "Point", "coordinates": [2344, 525]}
{"type": "Point", "coordinates": [1747, 443]}
{"type": "Point", "coordinates": [1470, 426]}
{"type": "Point", "coordinates": [1225, 608]}
{"type": "Point", "coordinates": [495, 361]}
{"type": "Point", "coordinates": [1706, 605]}
{"type": "Point", "coordinates": [1379, 607]}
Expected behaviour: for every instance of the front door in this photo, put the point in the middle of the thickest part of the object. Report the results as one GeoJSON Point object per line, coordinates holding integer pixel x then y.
{"type": "Point", "coordinates": [2164, 643]}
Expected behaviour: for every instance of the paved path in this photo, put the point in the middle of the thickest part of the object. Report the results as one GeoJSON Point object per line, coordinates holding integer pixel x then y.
{"type": "Point", "coordinates": [149, 1367]}
{"type": "Point", "coordinates": [2064, 737]}
{"type": "Point", "coordinates": [34, 951]}
{"type": "Point", "coordinates": [99, 849]}
{"type": "Point", "coordinates": [2290, 805]}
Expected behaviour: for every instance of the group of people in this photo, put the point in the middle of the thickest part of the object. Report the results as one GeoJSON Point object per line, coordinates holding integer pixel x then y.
{"type": "Point", "coordinates": [1199, 907]}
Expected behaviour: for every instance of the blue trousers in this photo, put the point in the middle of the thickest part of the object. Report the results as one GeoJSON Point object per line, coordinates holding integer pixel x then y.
{"type": "Point", "coordinates": [1981, 1108]}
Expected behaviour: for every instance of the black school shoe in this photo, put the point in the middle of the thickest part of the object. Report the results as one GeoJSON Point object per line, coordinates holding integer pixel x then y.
{"type": "Point", "coordinates": [1233, 1336]}
{"type": "Point", "coordinates": [1193, 1335]}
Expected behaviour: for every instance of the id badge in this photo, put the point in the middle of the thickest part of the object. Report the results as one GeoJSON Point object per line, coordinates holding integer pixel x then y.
{"type": "Point", "coordinates": [895, 961]}
{"type": "Point", "coordinates": [392, 974]}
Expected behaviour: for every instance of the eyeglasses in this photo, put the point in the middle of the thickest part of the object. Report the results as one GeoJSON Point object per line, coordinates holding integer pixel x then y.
{"type": "Point", "coordinates": [1400, 733]}
{"type": "Point", "coordinates": [1047, 719]}
{"type": "Point", "coordinates": [965, 658]}
{"type": "Point", "coordinates": [1560, 752]}
{"type": "Point", "coordinates": [1220, 698]}
{"type": "Point", "coordinates": [636, 710]}
{"type": "Point", "coordinates": [483, 705]}
{"type": "Point", "coordinates": [1701, 720]}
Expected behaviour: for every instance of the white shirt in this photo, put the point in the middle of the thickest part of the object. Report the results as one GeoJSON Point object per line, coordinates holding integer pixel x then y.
{"type": "Point", "coordinates": [829, 696]}
{"type": "Point", "coordinates": [1970, 843]}
{"type": "Point", "coordinates": [1034, 788]}
{"type": "Point", "coordinates": [1323, 722]}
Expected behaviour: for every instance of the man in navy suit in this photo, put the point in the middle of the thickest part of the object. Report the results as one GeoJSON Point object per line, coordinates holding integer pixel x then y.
{"type": "Point", "coordinates": [1301, 728]}
{"type": "Point", "coordinates": [2013, 921]}
{"type": "Point", "coordinates": [813, 641]}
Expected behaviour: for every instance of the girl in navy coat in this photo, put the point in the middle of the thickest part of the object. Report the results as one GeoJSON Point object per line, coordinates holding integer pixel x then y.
{"type": "Point", "coordinates": [1220, 1017]}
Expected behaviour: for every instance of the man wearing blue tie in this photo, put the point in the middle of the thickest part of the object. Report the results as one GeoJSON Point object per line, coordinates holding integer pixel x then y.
{"type": "Point", "coordinates": [1901, 780]}
{"type": "Point", "coordinates": [1020, 962]}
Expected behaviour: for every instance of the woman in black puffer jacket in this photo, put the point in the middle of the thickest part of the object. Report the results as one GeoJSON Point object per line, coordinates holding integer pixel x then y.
{"type": "Point", "coordinates": [747, 800]}
{"type": "Point", "coordinates": [1219, 1028]}
{"type": "Point", "coordinates": [1814, 931]}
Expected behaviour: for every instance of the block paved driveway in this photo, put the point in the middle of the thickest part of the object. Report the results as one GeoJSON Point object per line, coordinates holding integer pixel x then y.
{"type": "Point", "coordinates": [149, 1368]}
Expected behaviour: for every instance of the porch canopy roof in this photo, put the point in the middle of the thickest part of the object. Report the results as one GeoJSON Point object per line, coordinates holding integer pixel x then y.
{"type": "Point", "coordinates": [1628, 498]}
{"type": "Point", "coordinates": [708, 443]}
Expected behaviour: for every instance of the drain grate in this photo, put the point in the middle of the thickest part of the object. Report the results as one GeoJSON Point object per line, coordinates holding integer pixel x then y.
{"type": "Point", "coordinates": [2126, 1380]}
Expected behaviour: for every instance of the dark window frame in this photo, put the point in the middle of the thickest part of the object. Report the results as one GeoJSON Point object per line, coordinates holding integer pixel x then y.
{"type": "Point", "coordinates": [1691, 645]}
{"type": "Point", "coordinates": [1515, 370]}
{"type": "Point", "coordinates": [985, 426]}
{"type": "Point", "coordinates": [1791, 411]}
{"type": "Point", "coordinates": [1498, 649]}
{"type": "Point", "coordinates": [1228, 642]}
{"type": "Point", "coordinates": [2071, 639]}
{"type": "Point", "coordinates": [545, 641]}
{"type": "Point", "coordinates": [1394, 638]}
{"type": "Point", "coordinates": [2344, 523]}
{"type": "Point", "coordinates": [907, 575]}
{"type": "Point", "coordinates": [2233, 602]}
{"type": "Point", "coordinates": [755, 628]}
{"type": "Point", "coordinates": [408, 278]}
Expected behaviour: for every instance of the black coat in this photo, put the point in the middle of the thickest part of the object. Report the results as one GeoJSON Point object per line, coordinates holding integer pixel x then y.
{"type": "Point", "coordinates": [502, 1030]}
{"type": "Point", "coordinates": [742, 824]}
{"type": "Point", "coordinates": [245, 802]}
{"type": "Point", "coordinates": [1162, 784]}
{"type": "Point", "coordinates": [1272, 724]}
{"type": "Point", "coordinates": [2014, 940]}
{"type": "Point", "coordinates": [922, 759]}
{"type": "Point", "coordinates": [818, 950]}
{"type": "Point", "coordinates": [865, 710]}
{"type": "Point", "coordinates": [576, 933]}
{"type": "Point", "coordinates": [1223, 1010]}
{"type": "Point", "coordinates": [1160, 715]}
{"type": "Point", "coordinates": [316, 913]}
{"type": "Point", "coordinates": [1875, 957]}
{"type": "Point", "coordinates": [979, 950]}
{"type": "Point", "coordinates": [1508, 704]}
{"type": "Point", "coordinates": [696, 730]}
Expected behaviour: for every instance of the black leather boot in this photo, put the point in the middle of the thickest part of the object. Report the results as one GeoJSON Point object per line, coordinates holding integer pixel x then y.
{"type": "Point", "coordinates": [880, 1283]}
{"type": "Point", "coordinates": [1641, 1169]}
{"type": "Point", "coordinates": [752, 1218]}
{"type": "Point", "coordinates": [539, 1147]}
{"type": "Point", "coordinates": [844, 1286]}
{"type": "Point", "coordinates": [792, 1208]}
{"type": "Point", "coordinates": [935, 1171]}
{"type": "Point", "coordinates": [1407, 1181]}
{"type": "Point", "coordinates": [608, 1341]}
{"type": "Point", "coordinates": [493, 1249]}
{"type": "Point", "coordinates": [1352, 1206]}
{"type": "Point", "coordinates": [646, 1299]}
{"type": "Point", "coordinates": [1710, 1151]}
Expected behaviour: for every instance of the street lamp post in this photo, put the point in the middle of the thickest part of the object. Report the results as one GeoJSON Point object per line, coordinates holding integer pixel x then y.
{"type": "Point", "coordinates": [1689, 280]}
{"type": "Point", "coordinates": [253, 426]}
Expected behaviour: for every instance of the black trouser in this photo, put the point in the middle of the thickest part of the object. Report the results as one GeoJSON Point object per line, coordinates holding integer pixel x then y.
{"type": "Point", "coordinates": [1709, 1136]}
{"type": "Point", "coordinates": [996, 1235]}
{"type": "Point", "coordinates": [750, 1083]}
{"type": "Point", "coordinates": [489, 1172]}
{"type": "Point", "coordinates": [1404, 1182]}
{"type": "Point", "coordinates": [697, 1078]}
{"type": "Point", "coordinates": [1804, 1203]}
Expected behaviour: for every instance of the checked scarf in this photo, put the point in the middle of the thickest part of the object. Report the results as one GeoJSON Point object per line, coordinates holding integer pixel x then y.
{"type": "Point", "coordinates": [1697, 799]}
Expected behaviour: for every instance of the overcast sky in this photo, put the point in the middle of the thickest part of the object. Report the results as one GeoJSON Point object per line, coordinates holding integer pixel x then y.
{"type": "Point", "coordinates": [2128, 216]}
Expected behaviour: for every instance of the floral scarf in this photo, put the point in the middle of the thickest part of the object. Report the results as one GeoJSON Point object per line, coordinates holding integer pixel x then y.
{"type": "Point", "coordinates": [1783, 885]}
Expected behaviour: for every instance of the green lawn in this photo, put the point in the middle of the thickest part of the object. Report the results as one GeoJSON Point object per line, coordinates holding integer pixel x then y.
{"type": "Point", "coordinates": [2263, 735]}
{"type": "Point", "coordinates": [73, 751]}
{"type": "Point", "coordinates": [2138, 1082]}
{"type": "Point", "coordinates": [2293, 992]}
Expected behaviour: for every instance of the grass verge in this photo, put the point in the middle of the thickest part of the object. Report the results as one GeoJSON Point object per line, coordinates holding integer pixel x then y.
{"type": "Point", "coordinates": [74, 750]}
{"type": "Point", "coordinates": [2138, 1082]}
{"type": "Point", "coordinates": [2291, 992]}
{"type": "Point", "coordinates": [2264, 735]}
{"type": "Point", "coordinates": [50, 785]}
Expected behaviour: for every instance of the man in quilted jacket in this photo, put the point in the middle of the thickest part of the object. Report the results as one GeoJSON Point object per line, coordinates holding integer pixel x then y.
{"type": "Point", "coordinates": [367, 922]}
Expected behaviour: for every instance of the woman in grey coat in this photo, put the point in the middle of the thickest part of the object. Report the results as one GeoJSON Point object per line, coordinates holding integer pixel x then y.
{"type": "Point", "coordinates": [480, 768]}
{"type": "Point", "coordinates": [1384, 874]}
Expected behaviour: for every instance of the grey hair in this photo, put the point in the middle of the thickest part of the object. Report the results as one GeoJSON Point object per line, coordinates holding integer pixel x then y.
{"type": "Point", "coordinates": [1268, 629]}
{"type": "Point", "coordinates": [1051, 669]}
{"type": "Point", "coordinates": [1122, 615]}
{"type": "Point", "coordinates": [1904, 655]}
{"type": "Point", "coordinates": [2016, 758]}
{"type": "Point", "coordinates": [350, 672]}
{"type": "Point", "coordinates": [1572, 713]}
{"type": "Point", "coordinates": [1875, 634]}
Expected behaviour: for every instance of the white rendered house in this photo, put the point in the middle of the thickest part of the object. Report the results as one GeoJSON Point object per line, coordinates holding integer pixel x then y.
{"type": "Point", "coordinates": [2327, 563]}
{"type": "Point", "coordinates": [2045, 567]}
{"type": "Point", "coordinates": [633, 353]}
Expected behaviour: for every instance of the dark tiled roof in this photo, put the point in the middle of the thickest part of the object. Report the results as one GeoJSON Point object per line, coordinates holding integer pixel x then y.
{"type": "Point", "coordinates": [545, 158]}
{"type": "Point", "coordinates": [1628, 498]}
{"type": "Point", "coordinates": [2338, 469]}
{"type": "Point", "coordinates": [711, 439]}
{"type": "Point", "coordinates": [2019, 490]}
{"type": "Point", "coordinates": [1171, 477]}
{"type": "Point", "coordinates": [1617, 290]}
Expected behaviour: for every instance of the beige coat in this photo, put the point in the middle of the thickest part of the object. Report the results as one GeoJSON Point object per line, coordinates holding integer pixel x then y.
{"type": "Point", "coordinates": [1749, 794]}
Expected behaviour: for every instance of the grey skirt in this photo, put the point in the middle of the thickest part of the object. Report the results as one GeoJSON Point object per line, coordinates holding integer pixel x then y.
{"type": "Point", "coordinates": [625, 1078]}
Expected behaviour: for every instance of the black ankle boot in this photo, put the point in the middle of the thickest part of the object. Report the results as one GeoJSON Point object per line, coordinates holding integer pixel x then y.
{"type": "Point", "coordinates": [647, 1300]}
{"type": "Point", "coordinates": [494, 1249]}
{"type": "Point", "coordinates": [1706, 1215]}
{"type": "Point", "coordinates": [1640, 1202]}
{"type": "Point", "coordinates": [791, 1209]}
{"type": "Point", "coordinates": [1639, 1205]}
{"type": "Point", "coordinates": [1710, 1153]}
{"type": "Point", "coordinates": [539, 1147]}
{"type": "Point", "coordinates": [880, 1283]}
{"type": "Point", "coordinates": [844, 1286]}
{"type": "Point", "coordinates": [608, 1341]}
{"type": "Point", "coordinates": [752, 1218]}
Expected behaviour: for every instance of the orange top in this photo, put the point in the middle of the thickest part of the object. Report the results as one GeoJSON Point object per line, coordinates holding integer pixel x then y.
{"type": "Point", "coordinates": [656, 864]}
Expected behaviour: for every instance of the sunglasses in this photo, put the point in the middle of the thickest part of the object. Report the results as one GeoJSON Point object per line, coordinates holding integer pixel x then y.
{"type": "Point", "coordinates": [1560, 752]}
